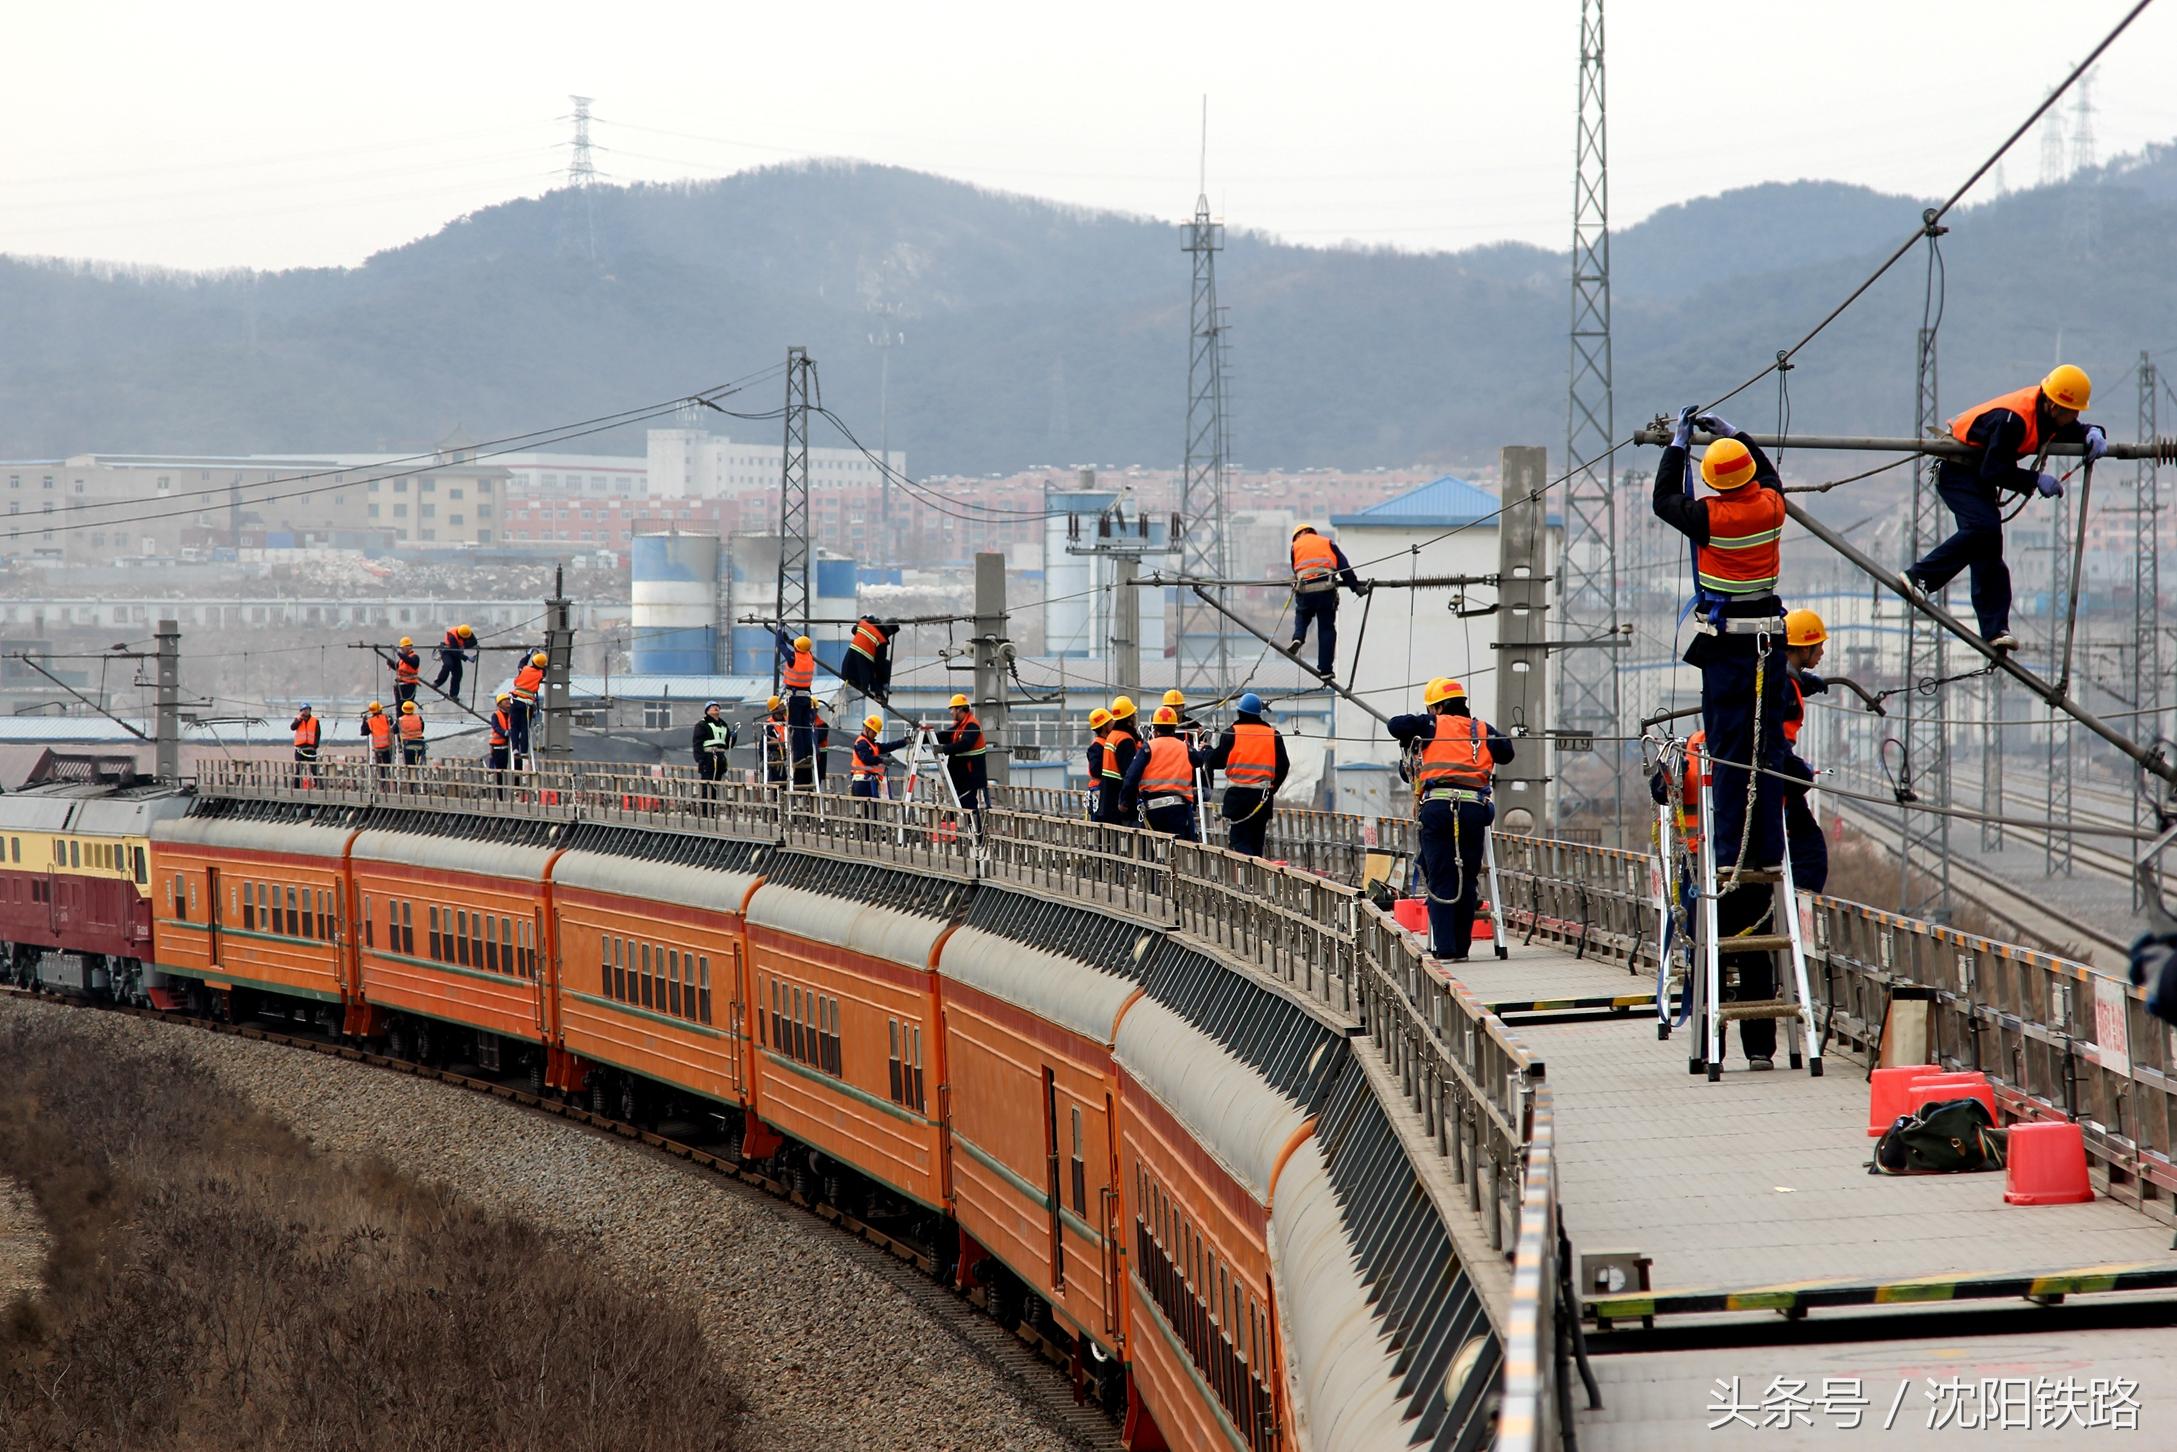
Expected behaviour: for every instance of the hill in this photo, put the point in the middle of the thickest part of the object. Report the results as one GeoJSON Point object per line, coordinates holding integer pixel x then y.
{"type": "Point", "coordinates": [1042, 334]}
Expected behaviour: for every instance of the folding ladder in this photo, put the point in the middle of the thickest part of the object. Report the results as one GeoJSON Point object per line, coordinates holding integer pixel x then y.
{"type": "Point", "coordinates": [1794, 1007]}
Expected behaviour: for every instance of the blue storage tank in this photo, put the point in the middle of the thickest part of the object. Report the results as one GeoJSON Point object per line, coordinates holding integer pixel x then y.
{"type": "Point", "coordinates": [674, 592]}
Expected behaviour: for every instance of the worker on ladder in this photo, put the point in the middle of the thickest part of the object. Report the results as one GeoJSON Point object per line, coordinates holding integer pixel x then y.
{"type": "Point", "coordinates": [966, 755]}
{"type": "Point", "coordinates": [713, 739]}
{"type": "Point", "coordinates": [2019, 425]}
{"type": "Point", "coordinates": [501, 741]}
{"type": "Point", "coordinates": [1454, 806]}
{"type": "Point", "coordinates": [775, 770]}
{"type": "Point", "coordinates": [1804, 639]}
{"type": "Point", "coordinates": [407, 671]}
{"type": "Point", "coordinates": [1161, 780]}
{"type": "Point", "coordinates": [1099, 728]}
{"type": "Point", "coordinates": [454, 654]}
{"type": "Point", "coordinates": [1121, 744]}
{"type": "Point", "coordinates": [797, 676]}
{"type": "Point", "coordinates": [411, 734]}
{"type": "Point", "coordinates": [871, 755]}
{"type": "Point", "coordinates": [1319, 568]}
{"type": "Point", "coordinates": [528, 681]}
{"type": "Point", "coordinates": [378, 730]}
{"type": "Point", "coordinates": [1251, 754]}
{"type": "Point", "coordinates": [307, 729]}
{"type": "Point", "coordinates": [868, 663]}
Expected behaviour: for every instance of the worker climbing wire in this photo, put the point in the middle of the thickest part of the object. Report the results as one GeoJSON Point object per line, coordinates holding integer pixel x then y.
{"type": "Point", "coordinates": [966, 754]}
{"type": "Point", "coordinates": [454, 654]}
{"type": "Point", "coordinates": [306, 729]}
{"type": "Point", "coordinates": [714, 737]}
{"type": "Point", "coordinates": [2018, 425]}
{"type": "Point", "coordinates": [1319, 568]}
{"type": "Point", "coordinates": [1804, 640]}
{"type": "Point", "coordinates": [871, 756]}
{"type": "Point", "coordinates": [407, 671]}
{"type": "Point", "coordinates": [1122, 742]}
{"type": "Point", "coordinates": [1251, 754]}
{"type": "Point", "coordinates": [797, 654]}
{"type": "Point", "coordinates": [867, 666]}
{"type": "Point", "coordinates": [1454, 806]}
{"type": "Point", "coordinates": [378, 730]}
{"type": "Point", "coordinates": [527, 682]}
{"type": "Point", "coordinates": [501, 739]}
{"type": "Point", "coordinates": [411, 734]}
{"type": "Point", "coordinates": [1161, 780]}
{"type": "Point", "coordinates": [1099, 721]}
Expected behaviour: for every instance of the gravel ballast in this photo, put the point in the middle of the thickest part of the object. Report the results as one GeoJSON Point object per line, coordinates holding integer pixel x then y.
{"type": "Point", "coordinates": [828, 1353]}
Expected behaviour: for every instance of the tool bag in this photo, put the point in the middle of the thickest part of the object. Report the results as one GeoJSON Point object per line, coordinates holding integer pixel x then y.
{"type": "Point", "coordinates": [1948, 1136]}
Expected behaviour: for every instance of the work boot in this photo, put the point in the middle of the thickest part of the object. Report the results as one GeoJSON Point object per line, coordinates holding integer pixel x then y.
{"type": "Point", "coordinates": [1293, 647]}
{"type": "Point", "coordinates": [2003, 640]}
{"type": "Point", "coordinates": [1761, 1062]}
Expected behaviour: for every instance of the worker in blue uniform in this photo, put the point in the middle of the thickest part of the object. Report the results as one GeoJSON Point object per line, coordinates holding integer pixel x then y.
{"type": "Point", "coordinates": [1251, 754]}
{"type": "Point", "coordinates": [1161, 780]}
{"type": "Point", "coordinates": [2019, 425]}
{"type": "Point", "coordinates": [1454, 805]}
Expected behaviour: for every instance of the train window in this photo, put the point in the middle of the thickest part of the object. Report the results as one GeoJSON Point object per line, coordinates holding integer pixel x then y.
{"type": "Point", "coordinates": [892, 1060]}
{"type": "Point", "coordinates": [648, 993]}
{"type": "Point", "coordinates": [328, 914]}
{"type": "Point", "coordinates": [181, 898]}
{"type": "Point", "coordinates": [143, 864]}
{"type": "Point", "coordinates": [15, 845]}
{"type": "Point", "coordinates": [506, 938]}
{"type": "Point", "coordinates": [476, 940]}
{"type": "Point", "coordinates": [461, 937]}
{"type": "Point", "coordinates": [75, 854]}
{"type": "Point", "coordinates": [703, 966]}
{"type": "Point", "coordinates": [915, 1034]}
{"type": "Point", "coordinates": [294, 923]}
{"type": "Point", "coordinates": [774, 1043]}
{"type": "Point", "coordinates": [370, 923]}
{"type": "Point", "coordinates": [249, 909]}
{"type": "Point", "coordinates": [308, 925]}
{"type": "Point", "coordinates": [431, 917]}
{"type": "Point", "coordinates": [838, 1053]}
{"type": "Point", "coordinates": [672, 986]}
{"type": "Point", "coordinates": [793, 1022]}
{"type": "Point", "coordinates": [1080, 1168]}
{"type": "Point", "coordinates": [491, 944]}
{"type": "Point", "coordinates": [616, 985]}
{"type": "Point", "coordinates": [408, 928]}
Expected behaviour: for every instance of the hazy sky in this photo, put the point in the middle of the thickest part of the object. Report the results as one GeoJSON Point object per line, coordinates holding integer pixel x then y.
{"type": "Point", "coordinates": [276, 135]}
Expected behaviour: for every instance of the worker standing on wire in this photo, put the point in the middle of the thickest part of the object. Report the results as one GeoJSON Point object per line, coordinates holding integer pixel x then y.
{"type": "Point", "coordinates": [965, 752]}
{"type": "Point", "coordinates": [1251, 754]}
{"type": "Point", "coordinates": [307, 730]}
{"type": "Point", "coordinates": [1122, 743]}
{"type": "Point", "coordinates": [1161, 780]}
{"type": "Point", "coordinates": [1319, 568]}
{"type": "Point", "coordinates": [502, 738]}
{"type": "Point", "coordinates": [407, 671]}
{"type": "Point", "coordinates": [378, 730]}
{"type": "Point", "coordinates": [527, 682]}
{"type": "Point", "coordinates": [797, 654]}
{"type": "Point", "coordinates": [713, 738]}
{"type": "Point", "coordinates": [411, 734]}
{"type": "Point", "coordinates": [454, 654]}
{"type": "Point", "coordinates": [1099, 728]}
{"type": "Point", "coordinates": [867, 666]}
{"type": "Point", "coordinates": [2017, 426]}
{"type": "Point", "coordinates": [1804, 639]}
{"type": "Point", "coordinates": [871, 755]}
{"type": "Point", "coordinates": [1454, 781]}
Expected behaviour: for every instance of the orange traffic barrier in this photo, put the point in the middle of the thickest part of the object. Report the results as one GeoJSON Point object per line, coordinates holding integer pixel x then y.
{"type": "Point", "coordinates": [1886, 1099]}
{"type": "Point", "coordinates": [2046, 1165]}
{"type": "Point", "coordinates": [1485, 924]}
{"type": "Point", "coordinates": [1412, 914]}
{"type": "Point", "coordinates": [1922, 1092]}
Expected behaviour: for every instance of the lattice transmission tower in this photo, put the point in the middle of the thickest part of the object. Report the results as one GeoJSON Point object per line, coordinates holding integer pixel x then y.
{"type": "Point", "coordinates": [793, 591]}
{"type": "Point", "coordinates": [1202, 490]}
{"type": "Point", "coordinates": [1588, 696]}
{"type": "Point", "coordinates": [2146, 593]}
{"type": "Point", "coordinates": [582, 178]}
{"type": "Point", "coordinates": [1925, 836]}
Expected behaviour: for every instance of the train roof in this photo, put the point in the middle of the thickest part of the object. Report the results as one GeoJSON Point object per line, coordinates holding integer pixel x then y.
{"type": "Point", "coordinates": [1055, 987]}
{"type": "Point", "coordinates": [1232, 1110]}
{"type": "Point", "coordinates": [248, 834]}
{"type": "Point", "coordinates": [893, 934]}
{"type": "Point", "coordinates": [453, 854]}
{"type": "Point", "coordinates": [712, 889]}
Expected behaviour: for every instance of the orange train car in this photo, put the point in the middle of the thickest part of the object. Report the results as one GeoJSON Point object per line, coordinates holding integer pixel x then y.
{"type": "Point", "coordinates": [254, 909]}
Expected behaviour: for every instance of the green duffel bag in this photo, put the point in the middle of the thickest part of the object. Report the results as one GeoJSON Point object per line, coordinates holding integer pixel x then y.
{"type": "Point", "coordinates": [1946, 1137]}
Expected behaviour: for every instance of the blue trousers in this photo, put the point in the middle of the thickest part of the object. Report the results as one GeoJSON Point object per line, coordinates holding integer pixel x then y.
{"type": "Point", "coordinates": [1453, 838]}
{"type": "Point", "coordinates": [1804, 840]}
{"type": "Point", "coordinates": [1321, 610]}
{"type": "Point", "coordinates": [517, 722]}
{"type": "Point", "coordinates": [1977, 546]}
{"type": "Point", "coordinates": [1177, 821]}
{"type": "Point", "coordinates": [1729, 665]}
{"type": "Point", "coordinates": [1249, 826]}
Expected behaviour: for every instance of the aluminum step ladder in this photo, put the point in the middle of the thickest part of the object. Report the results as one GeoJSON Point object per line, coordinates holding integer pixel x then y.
{"type": "Point", "coordinates": [1793, 1007]}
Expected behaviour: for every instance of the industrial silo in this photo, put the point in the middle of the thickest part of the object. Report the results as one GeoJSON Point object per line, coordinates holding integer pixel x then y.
{"type": "Point", "coordinates": [675, 597]}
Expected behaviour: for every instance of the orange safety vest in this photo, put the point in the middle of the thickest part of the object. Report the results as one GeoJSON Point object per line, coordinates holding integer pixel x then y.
{"type": "Point", "coordinates": [1791, 726]}
{"type": "Point", "coordinates": [453, 640]}
{"type": "Point", "coordinates": [1169, 773]}
{"type": "Point", "coordinates": [1457, 756]}
{"type": "Point", "coordinates": [1315, 559]}
{"type": "Point", "coordinates": [1112, 738]}
{"type": "Point", "coordinates": [411, 728]}
{"type": "Point", "coordinates": [875, 765]}
{"type": "Point", "coordinates": [501, 727]}
{"type": "Point", "coordinates": [868, 640]}
{"type": "Point", "coordinates": [1689, 791]}
{"type": "Point", "coordinates": [526, 681]}
{"type": "Point", "coordinates": [802, 673]}
{"type": "Point", "coordinates": [1744, 554]}
{"type": "Point", "coordinates": [406, 667]}
{"type": "Point", "coordinates": [381, 730]}
{"type": "Point", "coordinates": [2025, 402]}
{"type": "Point", "coordinates": [306, 731]}
{"type": "Point", "coordinates": [966, 729]}
{"type": "Point", "coordinates": [1252, 762]}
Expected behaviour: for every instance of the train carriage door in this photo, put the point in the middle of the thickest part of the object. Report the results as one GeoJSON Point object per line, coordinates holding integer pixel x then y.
{"type": "Point", "coordinates": [537, 972]}
{"type": "Point", "coordinates": [1113, 1225]}
{"type": "Point", "coordinates": [211, 915]}
{"type": "Point", "coordinates": [1051, 1193]}
{"type": "Point", "coordinates": [736, 1033]}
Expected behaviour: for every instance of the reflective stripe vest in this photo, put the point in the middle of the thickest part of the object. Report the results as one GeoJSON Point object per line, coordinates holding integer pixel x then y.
{"type": "Point", "coordinates": [1252, 762]}
{"type": "Point", "coordinates": [868, 640]}
{"type": "Point", "coordinates": [453, 641]}
{"type": "Point", "coordinates": [868, 760]}
{"type": "Point", "coordinates": [381, 730]}
{"type": "Point", "coordinates": [1169, 773]}
{"type": "Point", "coordinates": [306, 731]}
{"type": "Point", "coordinates": [406, 667]}
{"type": "Point", "coordinates": [526, 682]}
{"type": "Point", "coordinates": [1743, 556]}
{"type": "Point", "coordinates": [411, 728]}
{"type": "Point", "coordinates": [1315, 559]}
{"type": "Point", "coordinates": [501, 728]}
{"type": "Point", "coordinates": [1457, 756]}
{"type": "Point", "coordinates": [719, 736]}
{"type": "Point", "coordinates": [969, 729]}
{"type": "Point", "coordinates": [1112, 739]}
{"type": "Point", "coordinates": [2025, 402]}
{"type": "Point", "coordinates": [802, 673]}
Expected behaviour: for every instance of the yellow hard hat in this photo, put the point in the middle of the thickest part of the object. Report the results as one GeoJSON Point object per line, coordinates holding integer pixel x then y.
{"type": "Point", "coordinates": [464, 631]}
{"type": "Point", "coordinates": [1443, 688]}
{"type": "Point", "coordinates": [537, 659]}
{"type": "Point", "coordinates": [1804, 627]}
{"type": "Point", "coordinates": [1165, 716]}
{"type": "Point", "coordinates": [1175, 698]}
{"type": "Point", "coordinates": [377, 708]}
{"type": "Point", "coordinates": [957, 702]}
{"type": "Point", "coordinates": [1727, 465]}
{"type": "Point", "coordinates": [406, 642]}
{"type": "Point", "coordinates": [772, 704]}
{"type": "Point", "coordinates": [873, 724]}
{"type": "Point", "coordinates": [802, 642]}
{"type": "Point", "coordinates": [502, 697]}
{"type": "Point", "coordinates": [408, 708]}
{"type": "Point", "coordinates": [1121, 707]}
{"type": "Point", "coordinates": [1301, 529]}
{"type": "Point", "coordinates": [2067, 386]}
{"type": "Point", "coordinates": [1099, 719]}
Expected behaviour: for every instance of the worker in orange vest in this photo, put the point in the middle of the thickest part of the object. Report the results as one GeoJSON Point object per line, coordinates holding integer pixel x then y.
{"type": "Point", "coordinates": [870, 756]}
{"type": "Point", "coordinates": [1454, 805]}
{"type": "Point", "coordinates": [502, 736]}
{"type": "Point", "coordinates": [1122, 742]}
{"type": "Point", "coordinates": [820, 755]}
{"type": "Point", "coordinates": [411, 734]}
{"type": "Point", "coordinates": [1251, 754]}
{"type": "Point", "coordinates": [775, 767]}
{"type": "Point", "coordinates": [454, 654]}
{"type": "Point", "coordinates": [306, 729]}
{"type": "Point", "coordinates": [2016, 426]}
{"type": "Point", "coordinates": [378, 729]}
{"type": "Point", "coordinates": [965, 751]}
{"type": "Point", "coordinates": [1099, 721]}
{"type": "Point", "coordinates": [1161, 780]}
{"type": "Point", "coordinates": [528, 681]}
{"type": "Point", "coordinates": [1319, 568]}
{"type": "Point", "coordinates": [407, 671]}
{"type": "Point", "coordinates": [867, 665]}
{"type": "Point", "coordinates": [797, 681]}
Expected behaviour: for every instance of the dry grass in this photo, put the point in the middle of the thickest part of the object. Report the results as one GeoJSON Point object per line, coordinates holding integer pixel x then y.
{"type": "Point", "coordinates": [214, 1282]}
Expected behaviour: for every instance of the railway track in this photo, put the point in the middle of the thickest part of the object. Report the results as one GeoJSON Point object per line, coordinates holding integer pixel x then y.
{"type": "Point", "coordinates": [1020, 1353]}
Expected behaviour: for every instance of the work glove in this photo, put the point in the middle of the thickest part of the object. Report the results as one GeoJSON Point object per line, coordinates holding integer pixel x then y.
{"type": "Point", "coordinates": [2050, 486]}
{"type": "Point", "coordinates": [2097, 443]}
{"type": "Point", "coordinates": [1717, 425]}
{"type": "Point", "coordinates": [1682, 436]}
{"type": "Point", "coordinates": [1364, 587]}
